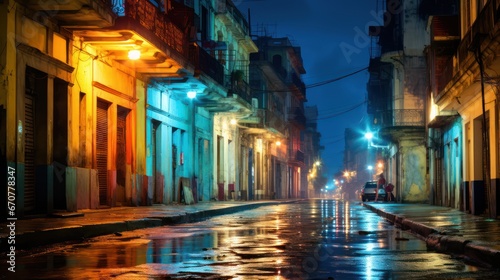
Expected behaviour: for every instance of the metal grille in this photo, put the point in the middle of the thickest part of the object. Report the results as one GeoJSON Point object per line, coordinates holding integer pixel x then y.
{"type": "Point", "coordinates": [102, 150]}
{"type": "Point", "coordinates": [29, 153]}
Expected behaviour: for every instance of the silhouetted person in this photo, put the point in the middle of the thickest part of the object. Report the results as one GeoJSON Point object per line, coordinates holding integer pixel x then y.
{"type": "Point", "coordinates": [380, 184]}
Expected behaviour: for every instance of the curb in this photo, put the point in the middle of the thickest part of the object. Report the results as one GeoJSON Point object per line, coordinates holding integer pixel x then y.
{"type": "Point", "coordinates": [441, 242]}
{"type": "Point", "coordinates": [29, 240]}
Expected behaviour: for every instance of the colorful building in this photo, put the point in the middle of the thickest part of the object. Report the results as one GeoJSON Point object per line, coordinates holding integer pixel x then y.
{"type": "Point", "coordinates": [129, 103]}
{"type": "Point", "coordinates": [463, 126]}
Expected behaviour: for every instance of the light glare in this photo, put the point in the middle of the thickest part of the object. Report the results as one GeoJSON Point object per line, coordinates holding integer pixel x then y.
{"type": "Point", "coordinates": [134, 54]}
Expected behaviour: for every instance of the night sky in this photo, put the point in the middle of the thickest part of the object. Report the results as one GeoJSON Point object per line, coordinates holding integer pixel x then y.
{"type": "Point", "coordinates": [332, 36]}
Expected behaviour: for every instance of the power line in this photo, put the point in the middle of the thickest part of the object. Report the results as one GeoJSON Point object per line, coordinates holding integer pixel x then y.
{"type": "Point", "coordinates": [322, 83]}
{"type": "Point", "coordinates": [335, 79]}
{"type": "Point", "coordinates": [341, 113]}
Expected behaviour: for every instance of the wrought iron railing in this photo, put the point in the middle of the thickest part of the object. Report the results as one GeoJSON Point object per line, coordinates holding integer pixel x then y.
{"type": "Point", "coordinates": [206, 63]}
{"type": "Point", "coordinates": [227, 7]}
{"type": "Point", "coordinates": [241, 89]}
{"type": "Point", "coordinates": [146, 15]}
{"type": "Point", "coordinates": [401, 117]}
{"type": "Point", "coordinates": [483, 25]}
{"type": "Point", "coordinates": [275, 121]}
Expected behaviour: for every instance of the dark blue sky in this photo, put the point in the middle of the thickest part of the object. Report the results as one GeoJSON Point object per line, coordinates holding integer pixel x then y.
{"type": "Point", "coordinates": [332, 35]}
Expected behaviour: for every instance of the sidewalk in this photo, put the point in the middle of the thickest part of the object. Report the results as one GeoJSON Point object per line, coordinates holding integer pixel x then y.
{"type": "Point", "coordinates": [30, 233]}
{"type": "Point", "coordinates": [446, 230]}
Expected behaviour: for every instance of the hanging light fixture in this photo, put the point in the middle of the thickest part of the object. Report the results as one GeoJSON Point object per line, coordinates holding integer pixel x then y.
{"type": "Point", "coordinates": [134, 54]}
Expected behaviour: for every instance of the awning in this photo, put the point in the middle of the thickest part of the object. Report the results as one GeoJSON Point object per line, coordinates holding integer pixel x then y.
{"type": "Point", "coordinates": [442, 121]}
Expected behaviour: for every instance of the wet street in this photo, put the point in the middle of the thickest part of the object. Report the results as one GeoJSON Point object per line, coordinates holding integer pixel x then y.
{"type": "Point", "coordinates": [316, 239]}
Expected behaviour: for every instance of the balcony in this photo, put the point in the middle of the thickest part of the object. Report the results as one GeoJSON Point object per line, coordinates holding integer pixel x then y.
{"type": "Point", "coordinates": [146, 19]}
{"type": "Point", "coordinates": [297, 157]}
{"type": "Point", "coordinates": [275, 122]}
{"type": "Point", "coordinates": [240, 89]}
{"type": "Point", "coordinates": [297, 117]}
{"type": "Point", "coordinates": [232, 18]}
{"type": "Point", "coordinates": [265, 121]}
{"type": "Point", "coordinates": [77, 14]}
{"type": "Point", "coordinates": [390, 39]}
{"type": "Point", "coordinates": [235, 22]}
{"type": "Point", "coordinates": [460, 71]}
{"type": "Point", "coordinates": [400, 118]}
{"type": "Point", "coordinates": [205, 63]}
{"type": "Point", "coordinates": [139, 25]}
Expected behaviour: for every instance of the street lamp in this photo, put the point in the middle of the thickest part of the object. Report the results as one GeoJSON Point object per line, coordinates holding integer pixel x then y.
{"type": "Point", "coordinates": [369, 136]}
{"type": "Point", "coordinates": [370, 169]}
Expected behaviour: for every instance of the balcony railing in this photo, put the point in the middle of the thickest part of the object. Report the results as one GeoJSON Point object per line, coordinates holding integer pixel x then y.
{"type": "Point", "coordinates": [296, 156]}
{"type": "Point", "coordinates": [206, 63]}
{"type": "Point", "coordinates": [484, 24]}
{"type": "Point", "coordinates": [297, 115]}
{"type": "Point", "coordinates": [76, 14]}
{"type": "Point", "coordinates": [227, 7]}
{"type": "Point", "coordinates": [401, 117]}
{"type": "Point", "coordinates": [241, 89]}
{"type": "Point", "coordinates": [142, 14]}
{"type": "Point", "coordinates": [275, 121]}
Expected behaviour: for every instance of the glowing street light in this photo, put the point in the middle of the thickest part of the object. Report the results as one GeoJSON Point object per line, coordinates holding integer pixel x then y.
{"type": "Point", "coordinates": [370, 168]}
{"type": "Point", "coordinates": [134, 54]}
{"type": "Point", "coordinates": [369, 136]}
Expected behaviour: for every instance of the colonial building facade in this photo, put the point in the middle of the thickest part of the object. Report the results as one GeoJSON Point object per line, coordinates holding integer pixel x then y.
{"type": "Point", "coordinates": [444, 62]}
{"type": "Point", "coordinates": [464, 114]}
{"type": "Point", "coordinates": [396, 98]}
{"type": "Point", "coordinates": [129, 103]}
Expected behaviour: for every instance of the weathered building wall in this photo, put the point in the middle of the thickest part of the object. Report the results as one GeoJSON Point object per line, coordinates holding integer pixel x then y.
{"type": "Point", "coordinates": [413, 171]}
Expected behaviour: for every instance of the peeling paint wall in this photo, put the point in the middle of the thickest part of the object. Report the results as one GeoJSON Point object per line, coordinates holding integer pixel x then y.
{"type": "Point", "coordinates": [413, 171]}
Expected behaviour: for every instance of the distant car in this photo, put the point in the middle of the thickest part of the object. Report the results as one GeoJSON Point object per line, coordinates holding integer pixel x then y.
{"type": "Point", "coordinates": [368, 192]}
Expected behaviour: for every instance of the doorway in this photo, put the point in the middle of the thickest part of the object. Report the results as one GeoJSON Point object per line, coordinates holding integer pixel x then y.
{"type": "Point", "coordinates": [102, 150]}
{"type": "Point", "coordinates": [121, 155]}
{"type": "Point", "coordinates": [156, 165]}
{"type": "Point", "coordinates": [35, 145]}
{"type": "Point", "coordinates": [60, 141]}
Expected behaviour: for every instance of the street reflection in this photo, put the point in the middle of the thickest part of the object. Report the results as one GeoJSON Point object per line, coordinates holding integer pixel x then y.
{"type": "Point", "coordinates": [315, 239]}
